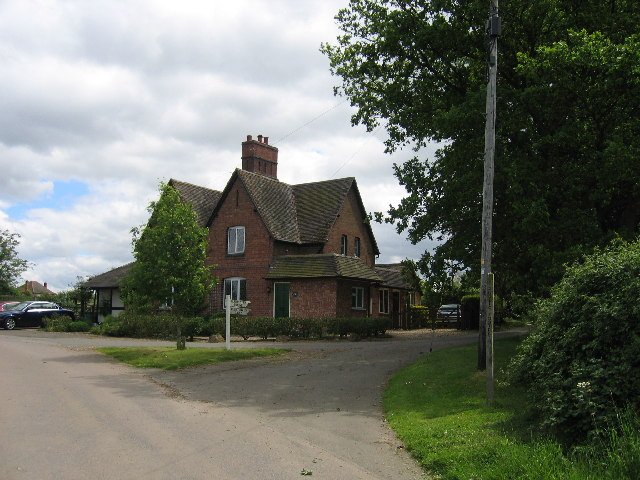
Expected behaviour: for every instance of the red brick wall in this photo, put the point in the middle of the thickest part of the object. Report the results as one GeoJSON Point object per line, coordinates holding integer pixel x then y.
{"type": "Point", "coordinates": [282, 248]}
{"type": "Point", "coordinates": [253, 264]}
{"type": "Point", "coordinates": [344, 299]}
{"type": "Point", "coordinates": [314, 298]}
{"type": "Point", "coordinates": [350, 223]}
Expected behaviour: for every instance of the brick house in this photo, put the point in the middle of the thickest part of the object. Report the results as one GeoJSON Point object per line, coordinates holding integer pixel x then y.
{"type": "Point", "coordinates": [303, 250]}
{"type": "Point", "coordinates": [35, 288]}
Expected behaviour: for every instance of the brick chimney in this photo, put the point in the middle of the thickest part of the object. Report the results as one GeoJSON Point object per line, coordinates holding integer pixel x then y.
{"type": "Point", "coordinates": [260, 157]}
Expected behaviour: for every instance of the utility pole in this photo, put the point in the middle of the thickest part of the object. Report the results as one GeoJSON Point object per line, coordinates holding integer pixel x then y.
{"type": "Point", "coordinates": [485, 355]}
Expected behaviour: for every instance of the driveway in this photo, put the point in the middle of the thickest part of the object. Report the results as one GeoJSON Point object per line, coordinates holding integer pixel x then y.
{"type": "Point", "coordinates": [315, 410]}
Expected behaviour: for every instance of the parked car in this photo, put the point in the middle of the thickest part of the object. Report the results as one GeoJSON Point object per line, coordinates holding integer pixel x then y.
{"type": "Point", "coordinates": [447, 313]}
{"type": "Point", "coordinates": [7, 305]}
{"type": "Point", "coordinates": [31, 314]}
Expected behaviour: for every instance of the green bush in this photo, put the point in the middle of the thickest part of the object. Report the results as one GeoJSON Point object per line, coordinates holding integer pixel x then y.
{"type": "Point", "coordinates": [138, 325]}
{"type": "Point", "coordinates": [418, 316]}
{"type": "Point", "coordinates": [111, 327]}
{"type": "Point", "coordinates": [64, 323]}
{"type": "Point", "coordinates": [79, 326]}
{"type": "Point", "coordinates": [163, 326]}
{"type": "Point", "coordinates": [582, 360]}
{"type": "Point", "coordinates": [57, 323]}
{"type": "Point", "coordinates": [297, 328]}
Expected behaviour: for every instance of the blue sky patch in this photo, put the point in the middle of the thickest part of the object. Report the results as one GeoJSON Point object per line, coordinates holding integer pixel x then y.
{"type": "Point", "coordinates": [63, 197]}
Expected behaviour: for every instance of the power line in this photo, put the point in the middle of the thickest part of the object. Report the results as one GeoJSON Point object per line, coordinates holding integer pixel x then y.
{"type": "Point", "coordinates": [311, 121]}
{"type": "Point", "coordinates": [351, 157]}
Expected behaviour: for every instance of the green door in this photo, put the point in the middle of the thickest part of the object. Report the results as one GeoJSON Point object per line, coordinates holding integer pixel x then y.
{"type": "Point", "coordinates": [281, 307]}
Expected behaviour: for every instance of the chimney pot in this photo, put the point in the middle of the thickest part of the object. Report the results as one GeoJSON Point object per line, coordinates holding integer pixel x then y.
{"type": "Point", "coordinates": [260, 138]}
{"type": "Point", "coordinates": [266, 140]}
{"type": "Point", "coordinates": [249, 138]}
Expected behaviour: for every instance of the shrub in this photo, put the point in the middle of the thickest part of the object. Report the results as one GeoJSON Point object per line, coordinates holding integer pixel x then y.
{"type": "Point", "coordinates": [79, 326]}
{"type": "Point", "coordinates": [111, 327]}
{"type": "Point", "coordinates": [418, 316]}
{"type": "Point", "coordinates": [161, 326]}
{"type": "Point", "coordinates": [299, 328]}
{"type": "Point", "coordinates": [64, 323]}
{"type": "Point", "coordinates": [57, 323]}
{"type": "Point", "coordinates": [470, 310]}
{"type": "Point", "coordinates": [581, 362]}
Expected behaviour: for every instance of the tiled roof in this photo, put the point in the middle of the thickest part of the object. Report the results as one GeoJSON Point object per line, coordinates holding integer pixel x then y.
{"type": "Point", "coordinates": [110, 279]}
{"type": "Point", "coordinates": [318, 205]}
{"type": "Point", "coordinates": [392, 278]}
{"type": "Point", "coordinates": [301, 213]}
{"type": "Point", "coordinates": [322, 266]}
{"type": "Point", "coordinates": [35, 287]}
{"type": "Point", "coordinates": [203, 200]}
{"type": "Point", "coordinates": [275, 203]}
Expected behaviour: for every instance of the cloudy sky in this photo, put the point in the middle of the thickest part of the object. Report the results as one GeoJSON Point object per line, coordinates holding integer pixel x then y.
{"type": "Point", "coordinates": [103, 99]}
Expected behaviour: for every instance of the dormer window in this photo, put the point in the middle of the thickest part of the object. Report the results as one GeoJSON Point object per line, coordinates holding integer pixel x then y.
{"type": "Point", "coordinates": [235, 240]}
{"type": "Point", "coordinates": [343, 245]}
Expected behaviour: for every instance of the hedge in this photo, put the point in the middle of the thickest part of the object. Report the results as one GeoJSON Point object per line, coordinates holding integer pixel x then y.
{"type": "Point", "coordinates": [164, 326]}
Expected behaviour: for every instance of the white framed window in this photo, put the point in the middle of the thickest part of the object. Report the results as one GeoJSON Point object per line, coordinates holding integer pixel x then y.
{"type": "Point", "coordinates": [384, 301]}
{"type": "Point", "coordinates": [356, 247]}
{"type": "Point", "coordinates": [343, 245]}
{"type": "Point", "coordinates": [235, 240]}
{"type": "Point", "coordinates": [357, 298]}
{"type": "Point", "coordinates": [236, 287]}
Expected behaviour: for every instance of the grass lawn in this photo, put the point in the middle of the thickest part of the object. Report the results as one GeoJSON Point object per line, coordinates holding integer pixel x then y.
{"type": "Point", "coordinates": [437, 407]}
{"type": "Point", "coordinates": [170, 358]}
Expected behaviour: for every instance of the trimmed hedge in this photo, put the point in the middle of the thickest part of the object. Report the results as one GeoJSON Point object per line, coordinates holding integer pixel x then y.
{"type": "Point", "coordinates": [164, 326]}
{"type": "Point", "coordinates": [160, 326]}
{"type": "Point", "coordinates": [470, 307]}
{"type": "Point", "coordinates": [299, 328]}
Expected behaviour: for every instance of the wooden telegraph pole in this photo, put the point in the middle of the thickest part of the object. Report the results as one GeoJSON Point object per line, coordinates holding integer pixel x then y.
{"type": "Point", "coordinates": [485, 341]}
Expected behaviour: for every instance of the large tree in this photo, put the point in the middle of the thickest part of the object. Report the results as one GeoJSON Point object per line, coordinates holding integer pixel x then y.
{"type": "Point", "coordinates": [11, 266]}
{"type": "Point", "coordinates": [568, 124]}
{"type": "Point", "coordinates": [170, 251]}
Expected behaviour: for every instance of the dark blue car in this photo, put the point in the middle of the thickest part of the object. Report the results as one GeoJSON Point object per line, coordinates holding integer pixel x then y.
{"type": "Point", "coordinates": [31, 314]}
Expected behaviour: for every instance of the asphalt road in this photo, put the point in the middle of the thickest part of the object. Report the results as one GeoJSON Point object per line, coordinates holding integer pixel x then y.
{"type": "Point", "coordinates": [69, 413]}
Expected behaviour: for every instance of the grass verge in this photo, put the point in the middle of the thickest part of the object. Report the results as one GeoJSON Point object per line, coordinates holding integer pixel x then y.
{"type": "Point", "coordinates": [437, 406]}
{"type": "Point", "coordinates": [170, 358]}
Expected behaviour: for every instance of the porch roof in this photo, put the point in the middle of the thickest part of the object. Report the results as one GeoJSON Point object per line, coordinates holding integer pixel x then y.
{"type": "Point", "coordinates": [322, 266]}
{"type": "Point", "coordinates": [110, 279]}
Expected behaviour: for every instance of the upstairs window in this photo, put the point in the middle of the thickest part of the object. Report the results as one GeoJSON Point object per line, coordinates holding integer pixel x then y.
{"type": "Point", "coordinates": [356, 247]}
{"type": "Point", "coordinates": [235, 240]}
{"type": "Point", "coordinates": [343, 245]}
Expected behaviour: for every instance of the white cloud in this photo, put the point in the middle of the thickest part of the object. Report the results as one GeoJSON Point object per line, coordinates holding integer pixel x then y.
{"type": "Point", "coordinates": [118, 95]}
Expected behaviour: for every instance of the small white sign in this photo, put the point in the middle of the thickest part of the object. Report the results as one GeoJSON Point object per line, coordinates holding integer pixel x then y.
{"type": "Point", "coordinates": [240, 311]}
{"type": "Point", "coordinates": [240, 303]}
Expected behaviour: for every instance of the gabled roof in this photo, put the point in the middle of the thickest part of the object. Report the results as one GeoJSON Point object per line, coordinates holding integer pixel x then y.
{"type": "Point", "coordinates": [328, 265]}
{"type": "Point", "coordinates": [275, 203]}
{"type": "Point", "coordinates": [110, 279]}
{"type": "Point", "coordinates": [392, 278]}
{"type": "Point", "coordinates": [301, 213]}
{"type": "Point", "coordinates": [318, 205]}
{"type": "Point", "coordinates": [203, 200]}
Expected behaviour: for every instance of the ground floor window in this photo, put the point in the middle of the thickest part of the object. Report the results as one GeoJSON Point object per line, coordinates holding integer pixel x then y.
{"type": "Point", "coordinates": [357, 298]}
{"type": "Point", "coordinates": [384, 301]}
{"type": "Point", "coordinates": [236, 287]}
